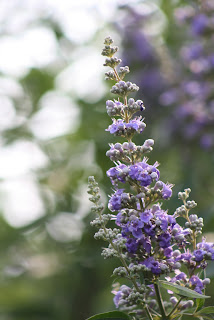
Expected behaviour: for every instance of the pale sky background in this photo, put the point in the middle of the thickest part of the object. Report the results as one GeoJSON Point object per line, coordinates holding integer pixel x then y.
{"type": "Point", "coordinates": [23, 47]}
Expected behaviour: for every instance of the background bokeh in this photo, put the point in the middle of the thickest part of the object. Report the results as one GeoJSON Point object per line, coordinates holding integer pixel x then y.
{"type": "Point", "coordinates": [52, 137]}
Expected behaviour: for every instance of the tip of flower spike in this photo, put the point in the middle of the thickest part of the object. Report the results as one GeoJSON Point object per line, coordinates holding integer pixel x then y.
{"type": "Point", "coordinates": [91, 179]}
{"type": "Point", "coordinates": [108, 41]}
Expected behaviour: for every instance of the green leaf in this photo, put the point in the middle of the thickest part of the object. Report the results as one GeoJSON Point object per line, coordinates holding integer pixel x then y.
{"type": "Point", "coordinates": [202, 317]}
{"type": "Point", "coordinates": [187, 316]}
{"type": "Point", "coordinates": [113, 315]}
{"type": "Point", "coordinates": [206, 310]}
{"type": "Point", "coordinates": [190, 310]}
{"type": "Point", "coordinates": [182, 291]}
{"type": "Point", "coordinates": [199, 304]}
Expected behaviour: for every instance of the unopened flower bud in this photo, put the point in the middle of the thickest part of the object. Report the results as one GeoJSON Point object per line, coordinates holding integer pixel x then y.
{"type": "Point", "coordinates": [206, 281]}
{"type": "Point", "coordinates": [173, 300]}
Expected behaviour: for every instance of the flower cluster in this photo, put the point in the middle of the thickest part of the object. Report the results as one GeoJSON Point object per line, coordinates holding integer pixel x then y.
{"type": "Point", "coordinates": [148, 240]}
{"type": "Point", "coordinates": [140, 173]}
{"type": "Point", "coordinates": [194, 282]}
{"type": "Point", "coordinates": [192, 93]}
{"type": "Point", "coordinates": [128, 151]}
{"type": "Point", "coordinates": [150, 233]}
{"type": "Point", "coordinates": [120, 128]}
{"type": "Point", "coordinates": [114, 108]}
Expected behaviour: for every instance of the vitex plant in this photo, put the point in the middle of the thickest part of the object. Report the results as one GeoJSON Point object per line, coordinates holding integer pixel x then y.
{"type": "Point", "coordinates": [153, 249]}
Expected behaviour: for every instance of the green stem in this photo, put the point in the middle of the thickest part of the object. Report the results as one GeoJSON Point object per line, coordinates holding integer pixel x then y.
{"type": "Point", "coordinates": [127, 116]}
{"type": "Point", "coordinates": [148, 312]}
{"type": "Point", "coordinates": [160, 302]}
{"type": "Point", "coordinates": [116, 74]}
{"type": "Point", "coordinates": [153, 311]}
{"type": "Point", "coordinates": [175, 307]}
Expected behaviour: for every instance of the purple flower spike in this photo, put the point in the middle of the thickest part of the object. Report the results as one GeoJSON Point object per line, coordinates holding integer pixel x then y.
{"type": "Point", "coordinates": [148, 240]}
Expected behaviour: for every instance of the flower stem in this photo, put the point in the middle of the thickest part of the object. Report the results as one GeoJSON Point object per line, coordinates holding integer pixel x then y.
{"type": "Point", "coordinates": [116, 74]}
{"type": "Point", "coordinates": [148, 312]}
{"type": "Point", "coordinates": [160, 301]}
{"type": "Point", "coordinates": [175, 307]}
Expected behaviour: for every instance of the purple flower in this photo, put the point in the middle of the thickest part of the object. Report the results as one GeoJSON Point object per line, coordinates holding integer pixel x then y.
{"type": "Point", "coordinates": [171, 220]}
{"type": "Point", "coordinates": [155, 267]}
{"type": "Point", "coordinates": [164, 223]}
{"type": "Point", "coordinates": [196, 283]}
{"type": "Point", "coordinates": [149, 230]}
{"type": "Point", "coordinates": [131, 245]}
{"type": "Point", "coordinates": [164, 240]}
{"type": "Point", "coordinates": [146, 216]}
{"type": "Point", "coordinates": [135, 226]}
{"type": "Point", "coordinates": [199, 254]}
{"type": "Point", "coordinates": [162, 219]}
{"type": "Point", "coordinates": [180, 234]}
{"type": "Point", "coordinates": [118, 173]}
{"type": "Point", "coordinates": [181, 276]}
{"type": "Point", "coordinates": [137, 173]}
{"type": "Point", "coordinates": [166, 191]}
{"type": "Point", "coordinates": [136, 124]}
{"type": "Point", "coordinates": [164, 188]}
{"type": "Point", "coordinates": [168, 252]}
{"type": "Point", "coordinates": [147, 262]}
{"type": "Point", "coordinates": [144, 173]}
{"type": "Point", "coordinates": [115, 201]}
{"type": "Point", "coordinates": [207, 247]}
{"type": "Point", "coordinates": [121, 200]}
{"type": "Point", "coordinates": [121, 295]}
{"type": "Point", "coordinates": [119, 127]}
{"type": "Point", "coordinates": [186, 256]}
{"type": "Point", "coordinates": [120, 219]}
{"type": "Point", "coordinates": [146, 243]}
{"type": "Point", "coordinates": [117, 298]}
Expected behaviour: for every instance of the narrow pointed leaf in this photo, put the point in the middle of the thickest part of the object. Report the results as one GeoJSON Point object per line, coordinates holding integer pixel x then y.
{"type": "Point", "coordinates": [199, 304]}
{"type": "Point", "coordinates": [206, 310]}
{"type": "Point", "coordinates": [113, 315]}
{"type": "Point", "coordinates": [202, 317]}
{"type": "Point", "coordinates": [182, 291]}
{"type": "Point", "coordinates": [188, 316]}
{"type": "Point", "coordinates": [190, 310]}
